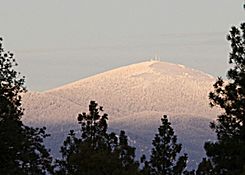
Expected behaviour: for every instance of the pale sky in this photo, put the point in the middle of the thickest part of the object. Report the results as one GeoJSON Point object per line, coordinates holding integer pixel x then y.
{"type": "Point", "coordinates": [60, 41]}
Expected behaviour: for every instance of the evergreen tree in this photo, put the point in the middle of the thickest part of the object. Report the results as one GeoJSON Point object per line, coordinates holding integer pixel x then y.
{"type": "Point", "coordinates": [189, 172]}
{"type": "Point", "coordinates": [21, 150]}
{"type": "Point", "coordinates": [96, 152]}
{"type": "Point", "coordinates": [163, 160]}
{"type": "Point", "coordinates": [227, 154]}
{"type": "Point", "coordinates": [127, 154]}
{"type": "Point", "coordinates": [205, 168]}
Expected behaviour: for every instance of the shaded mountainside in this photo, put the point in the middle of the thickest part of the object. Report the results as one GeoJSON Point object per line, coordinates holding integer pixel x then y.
{"type": "Point", "coordinates": [135, 97]}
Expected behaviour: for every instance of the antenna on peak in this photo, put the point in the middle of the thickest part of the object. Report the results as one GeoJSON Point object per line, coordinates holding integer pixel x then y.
{"type": "Point", "coordinates": [156, 58]}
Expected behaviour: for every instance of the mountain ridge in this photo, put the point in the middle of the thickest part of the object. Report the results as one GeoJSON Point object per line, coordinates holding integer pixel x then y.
{"type": "Point", "coordinates": [141, 65]}
{"type": "Point", "coordinates": [135, 97]}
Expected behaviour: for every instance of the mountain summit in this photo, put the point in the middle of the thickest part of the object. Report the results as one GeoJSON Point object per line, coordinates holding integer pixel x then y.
{"type": "Point", "coordinates": [152, 86]}
{"type": "Point", "coordinates": [135, 97]}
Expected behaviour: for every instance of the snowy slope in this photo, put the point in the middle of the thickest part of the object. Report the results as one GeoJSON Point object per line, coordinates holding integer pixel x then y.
{"type": "Point", "coordinates": [148, 86]}
{"type": "Point", "coordinates": [135, 97]}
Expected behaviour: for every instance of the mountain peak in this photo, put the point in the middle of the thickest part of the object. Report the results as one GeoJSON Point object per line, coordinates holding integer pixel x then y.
{"type": "Point", "coordinates": [135, 97]}
{"type": "Point", "coordinates": [153, 69]}
{"type": "Point", "coordinates": [147, 86]}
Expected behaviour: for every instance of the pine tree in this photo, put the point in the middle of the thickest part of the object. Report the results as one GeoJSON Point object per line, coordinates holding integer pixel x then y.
{"type": "Point", "coordinates": [126, 154]}
{"type": "Point", "coordinates": [22, 150]}
{"type": "Point", "coordinates": [205, 168]}
{"type": "Point", "coordinates": [163, 160]}
{"type": "Point", "coordinates": [96, 152]}
{"type": "Point", "coordinates": [227, 154]}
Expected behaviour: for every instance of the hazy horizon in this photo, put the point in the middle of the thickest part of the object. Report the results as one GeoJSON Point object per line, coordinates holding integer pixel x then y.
{"type": "Point", "coordinates": [57, 42]}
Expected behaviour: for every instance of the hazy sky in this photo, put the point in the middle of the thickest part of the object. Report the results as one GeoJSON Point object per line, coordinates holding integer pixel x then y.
{"type": "Point", "coordinates": [59, 41]}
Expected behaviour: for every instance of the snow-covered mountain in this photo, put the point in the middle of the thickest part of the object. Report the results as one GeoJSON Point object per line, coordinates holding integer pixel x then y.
{"type": "Point", "coordinates": [135, 97]}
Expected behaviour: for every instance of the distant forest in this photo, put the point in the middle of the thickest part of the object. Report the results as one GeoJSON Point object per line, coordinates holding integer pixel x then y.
{"type": "Point", "coordinates": [96, 151]}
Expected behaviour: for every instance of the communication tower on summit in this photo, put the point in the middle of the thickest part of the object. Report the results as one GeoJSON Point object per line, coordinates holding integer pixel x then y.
{"type": "Point", "coordinates": [156, 58]}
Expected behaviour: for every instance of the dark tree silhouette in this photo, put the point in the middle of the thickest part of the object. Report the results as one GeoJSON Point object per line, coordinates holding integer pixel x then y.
{"type": "Point", "coordinates": [227, 154]}
{"type": "Point", "coordinates": [205, 168]}
{"type": "Point", "coordinates": [164, 157]}
{"type": "Point", "coordinates": [96, 152]}
{"type": "Point", "coordinates": [22, 150]}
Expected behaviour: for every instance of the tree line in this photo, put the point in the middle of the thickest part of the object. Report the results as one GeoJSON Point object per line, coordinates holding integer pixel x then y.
{"type": "Point", "coordinates": [96, 151]}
